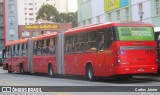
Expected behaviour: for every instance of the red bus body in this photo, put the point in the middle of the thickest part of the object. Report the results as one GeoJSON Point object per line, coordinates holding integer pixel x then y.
{"type": "Point", "coordinates": [118, 58]}
{"type": "Point", "coordinates": [12, 63]}
{"type": "Point", "coordinates": [135, 61]}
{"type": "Point", "coordinates": [40, 63]}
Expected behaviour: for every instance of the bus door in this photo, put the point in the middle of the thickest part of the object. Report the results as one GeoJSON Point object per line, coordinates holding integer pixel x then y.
{"type": "Point", "coordinates": [109, 47]}
{"type": "Point", "coordinates": [9, 57]}
{"type": "Point", "coordinates": [13, 59]}
{"type": "Point", "coordinates": [101, 53]}
{"type": "Point", "coordinates": [16, 57]}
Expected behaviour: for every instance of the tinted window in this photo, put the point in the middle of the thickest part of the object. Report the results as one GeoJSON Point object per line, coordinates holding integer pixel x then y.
{"type": "Point", "coordinates": [80, 42]}
{"type": "Point", "coordinates": [70, 44]}
{"type": "Point", "coordinates": [109, 37]}
{"type": "Point", "coordinates": [91, 38]}
{"type": "Point", "coordinates": [101, 35]}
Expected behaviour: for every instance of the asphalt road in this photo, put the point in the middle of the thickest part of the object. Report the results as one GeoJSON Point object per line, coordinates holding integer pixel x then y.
{"type": "Point", "coordinates": [15, 79]}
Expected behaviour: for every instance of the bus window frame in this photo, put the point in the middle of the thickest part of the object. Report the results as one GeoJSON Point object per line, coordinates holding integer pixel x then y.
{"type": "Point", "coordinates": [100, 31]}
{"type": "Point", "coordinates": [95, 40]}
{"type": "Point", "coordinates": [114, 34]}
{"type": "Point", "coordinates": [82, 42]}
{"type": "Point", "coordinates": [67, 43]}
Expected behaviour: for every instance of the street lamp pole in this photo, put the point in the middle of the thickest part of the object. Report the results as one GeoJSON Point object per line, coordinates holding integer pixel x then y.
{"type": "Point", "coordinates": [73, 18]}
{"type": "Point", "coordinates": [141, 14]}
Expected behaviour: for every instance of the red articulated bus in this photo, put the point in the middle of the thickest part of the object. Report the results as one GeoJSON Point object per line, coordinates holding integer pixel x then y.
{"type": "Point", "coordinates": [119, 49]}
{"type": "Point", "coordinates": [32, 55]}
{"type": "Point", "coordinates": [10, 55]}
{"type": "Point", "coordinates": [116, 49]}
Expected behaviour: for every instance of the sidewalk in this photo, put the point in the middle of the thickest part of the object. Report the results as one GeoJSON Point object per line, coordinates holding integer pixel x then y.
{"type": "Point", "coordinates": [2, 71]}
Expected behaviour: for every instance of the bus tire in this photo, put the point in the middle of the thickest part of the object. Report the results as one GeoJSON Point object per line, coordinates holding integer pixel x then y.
{"type": "Point", "coordinates": [50, 71]}
{"type": "Point", "coordinates": [90, 73]}
{"type": "Point", "coordinates": [9, 71]}
{"type": "Point", "coordinates": [21, 69]}
{"type": "Point", "coordinates": [6, 66]}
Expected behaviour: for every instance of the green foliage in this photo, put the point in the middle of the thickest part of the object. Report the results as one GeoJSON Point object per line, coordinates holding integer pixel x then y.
{"type": "Point", "coordinates": [70, 17]}
{"type": "Point", "coordinates": [50, 13]}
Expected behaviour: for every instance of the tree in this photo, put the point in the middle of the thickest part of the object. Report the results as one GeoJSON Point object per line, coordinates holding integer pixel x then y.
{"type": "Point", "coordinates": [48, 12]}
{"type": "Point", "coordinates": [63, 17]}
{"type": "Point", "coordinates": [70, 17]}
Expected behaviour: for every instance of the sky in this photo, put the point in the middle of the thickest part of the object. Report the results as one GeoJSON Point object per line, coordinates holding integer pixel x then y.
{"type": "Point", "coordinates": [72, 5]}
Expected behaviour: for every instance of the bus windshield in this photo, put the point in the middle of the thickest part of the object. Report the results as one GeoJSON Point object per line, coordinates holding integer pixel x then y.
{"type": "Point", "coordinates": [135, 33]}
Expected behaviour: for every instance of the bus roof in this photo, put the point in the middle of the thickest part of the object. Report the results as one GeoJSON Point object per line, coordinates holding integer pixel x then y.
{"type": "Point", "coordinates": [104, 25]}
{"type": "Point", "coordinates": [45, 36]}
{"type": "Point", "coordinates": [20, 41]}
{"type": "Point", "coordinates": [41, 37]}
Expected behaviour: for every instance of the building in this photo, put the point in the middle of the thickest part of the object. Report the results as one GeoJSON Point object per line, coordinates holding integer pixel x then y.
{"type": "Point", "coordinates": [23, 12]}
{"type": "Point", "coordinates": [117, 10]}
{"type": "Point", "coordinates": [146, 11]}
{"type": "Point", "coordinates": [91, 12]}
{"type": "Point", "coordinates": [27, 31]}
{"type": "Point", "coordinates": [27, 9]}
{"type": "Point", "coordinates": [11, 20]}
{"type": "Point", "coordinates": [1, 25]}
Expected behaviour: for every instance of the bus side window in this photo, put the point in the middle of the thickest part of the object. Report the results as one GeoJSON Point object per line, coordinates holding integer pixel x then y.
{"type": "Point", "coordinates": [52, 46]}
{"type": "Point", "coordinates": [80, 42]}
{"type": "Point", "coordinates": [23, 49]}
{"type": "Point", "coordinates": [91, 38]}
{"type": "Point", "coordinates": [6, 52]}
{"type": "Point", "coordinates": [14, 50]}
{"type": "Point", "coordinates": [47, 44]}
{"type": "Point", "coordinates": [70, 44]}
{"type": "Point", "coordinates": [66, 45]}
{"type": "Point", "coordinates": [35, 46]}
{"type": "Point", "coordinates": [18, 49]}
{"type": "Point", "coordinates": [40, 47]}
{"type": "Point", "coordinates": [109, 38]}
{"type": "Point", "coordinates": [101, 34]}
{"type": "Point", "coordinates": [9, 51]}
{"type": "Point", "coordinates": [45, 48]}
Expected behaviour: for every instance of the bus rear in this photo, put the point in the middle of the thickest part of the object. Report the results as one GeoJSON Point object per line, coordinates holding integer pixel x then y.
{"type": "Point", "coordinates": [136, 50]}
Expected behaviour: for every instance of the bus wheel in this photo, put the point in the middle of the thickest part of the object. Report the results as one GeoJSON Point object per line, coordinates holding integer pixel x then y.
{"type": "Point", "coordinates": [90, 73]}
{"type": "Point", "coordinates": [50, 71]}
{"type": "Point", "coordinates": [21, 69]}
{"type": "Point", "coordinates": [9, 71]}
{"type": "Point", "coordinates": [6, 66]}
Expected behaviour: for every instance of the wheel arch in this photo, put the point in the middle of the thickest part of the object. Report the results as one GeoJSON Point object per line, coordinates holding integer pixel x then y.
{"type": "Point", "coordinates": [50, 64]}
{"type": "Point", "coordinates": [88, 64]}
{"type": "Point", "coordinates": [7, 66]}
